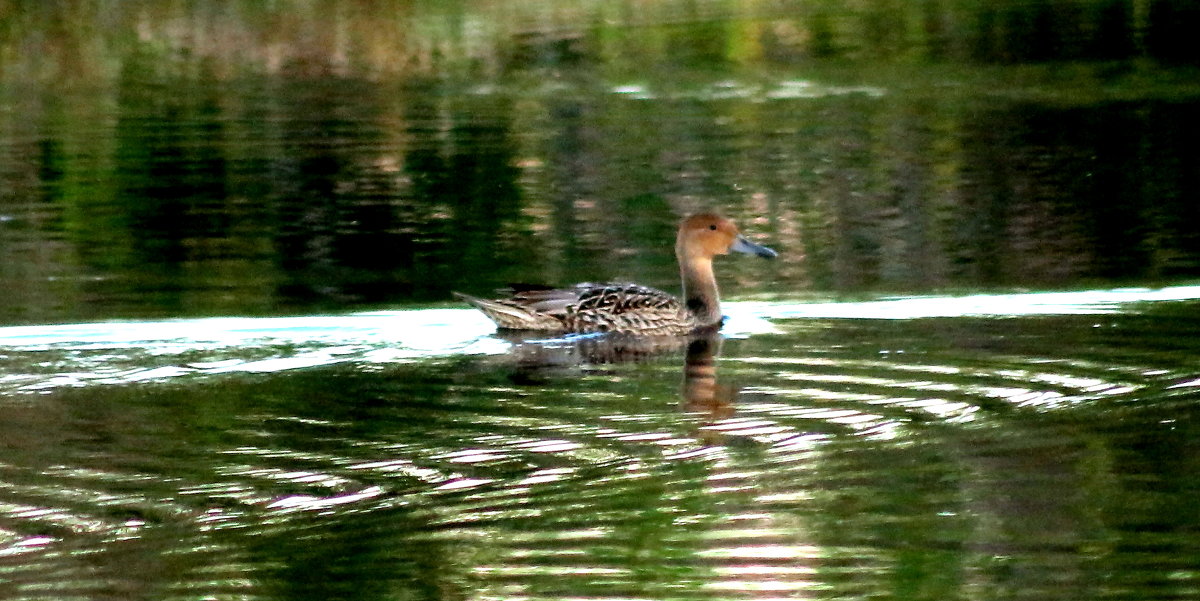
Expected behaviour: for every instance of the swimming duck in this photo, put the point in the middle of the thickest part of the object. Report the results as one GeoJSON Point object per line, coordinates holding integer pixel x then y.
{"type": "Point", "coordinates": [632, 308]}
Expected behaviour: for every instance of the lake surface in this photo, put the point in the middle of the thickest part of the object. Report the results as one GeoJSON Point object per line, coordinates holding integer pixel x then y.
{"type": "Point", "coordinates": [1000, 446]}
{"type": "Point", "coordinates": [231, 366]}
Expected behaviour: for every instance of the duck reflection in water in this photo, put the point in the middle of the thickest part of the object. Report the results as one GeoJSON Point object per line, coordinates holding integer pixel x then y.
{"type": "Point", "coordinates": [702, 393]}
{"type": "Point", "coordinates": [538, 360]}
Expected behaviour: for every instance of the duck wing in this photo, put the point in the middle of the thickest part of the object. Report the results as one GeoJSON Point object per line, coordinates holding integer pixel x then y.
{"type": "Point", "coordinates": [587, 307]}
{"type": "Point", "coordinates": [620, 298]}
{"type": "Point", "coordinates": [544, 299]}
{"type": "Point", "coordinates": [627, 308]}
{"type": "Point", "coordinates": [615, 298]}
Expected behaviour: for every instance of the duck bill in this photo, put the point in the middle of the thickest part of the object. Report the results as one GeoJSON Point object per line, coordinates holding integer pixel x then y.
{"type": "Point", "coordinates": [742, 245]}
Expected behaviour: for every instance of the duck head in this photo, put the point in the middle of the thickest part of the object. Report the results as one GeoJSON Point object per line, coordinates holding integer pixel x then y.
{"type": "Point", "coordinates": [705, 235]}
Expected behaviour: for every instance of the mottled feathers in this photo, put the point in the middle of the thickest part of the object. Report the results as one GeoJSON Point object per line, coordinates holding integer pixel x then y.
{"type": "Point", "coordinates": [587, 307]}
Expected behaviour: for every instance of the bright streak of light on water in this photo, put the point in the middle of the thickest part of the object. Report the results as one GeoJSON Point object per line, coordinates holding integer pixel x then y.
{"type": "Point", "coordinates": [136, 351]}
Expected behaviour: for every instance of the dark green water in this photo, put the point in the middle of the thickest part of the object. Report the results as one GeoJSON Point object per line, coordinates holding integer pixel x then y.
{"type": "Point", "coordinates": [231, 368]}
{"type": "Point", "coordinates": [1036, 456]}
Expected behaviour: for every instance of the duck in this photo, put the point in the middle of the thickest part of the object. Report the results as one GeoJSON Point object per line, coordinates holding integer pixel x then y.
{"type": "Point", "coordinates": [629, 308]}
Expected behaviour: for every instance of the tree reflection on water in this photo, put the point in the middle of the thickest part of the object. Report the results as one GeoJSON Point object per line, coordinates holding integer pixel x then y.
{"type": "Point", "coordinates": [196, 179]}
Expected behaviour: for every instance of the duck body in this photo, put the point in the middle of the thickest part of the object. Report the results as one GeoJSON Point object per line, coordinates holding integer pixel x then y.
{"type": "Point", "coordinates": [626, 307]}
{"type": "Point", "coordinates": [588, 307]}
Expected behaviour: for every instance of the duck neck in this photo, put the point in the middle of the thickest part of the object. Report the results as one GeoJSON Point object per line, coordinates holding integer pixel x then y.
{"type": "Point", "coordinates": [700, 290]}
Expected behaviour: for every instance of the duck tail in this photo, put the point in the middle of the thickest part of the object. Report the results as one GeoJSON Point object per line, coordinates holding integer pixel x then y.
{"type": "Point", "coordinates": [511, 315]}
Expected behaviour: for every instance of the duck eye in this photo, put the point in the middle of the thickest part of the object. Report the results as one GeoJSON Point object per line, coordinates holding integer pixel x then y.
{"type": "Point", "coordinates": [713, 227]}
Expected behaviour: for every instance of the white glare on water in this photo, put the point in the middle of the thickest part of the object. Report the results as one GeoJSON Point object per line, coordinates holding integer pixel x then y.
{"type": "Point", "coordinates": [133, 351]}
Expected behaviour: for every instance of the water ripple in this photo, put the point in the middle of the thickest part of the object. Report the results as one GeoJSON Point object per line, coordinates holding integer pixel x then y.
{"type": "Point", "coordinates": [788, 463]}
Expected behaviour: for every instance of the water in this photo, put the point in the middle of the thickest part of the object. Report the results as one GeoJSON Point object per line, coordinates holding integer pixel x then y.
{"type": "Point", "coordinates": [1024, 445]}
{"type": "Point", "coordinates": [231, 366]}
